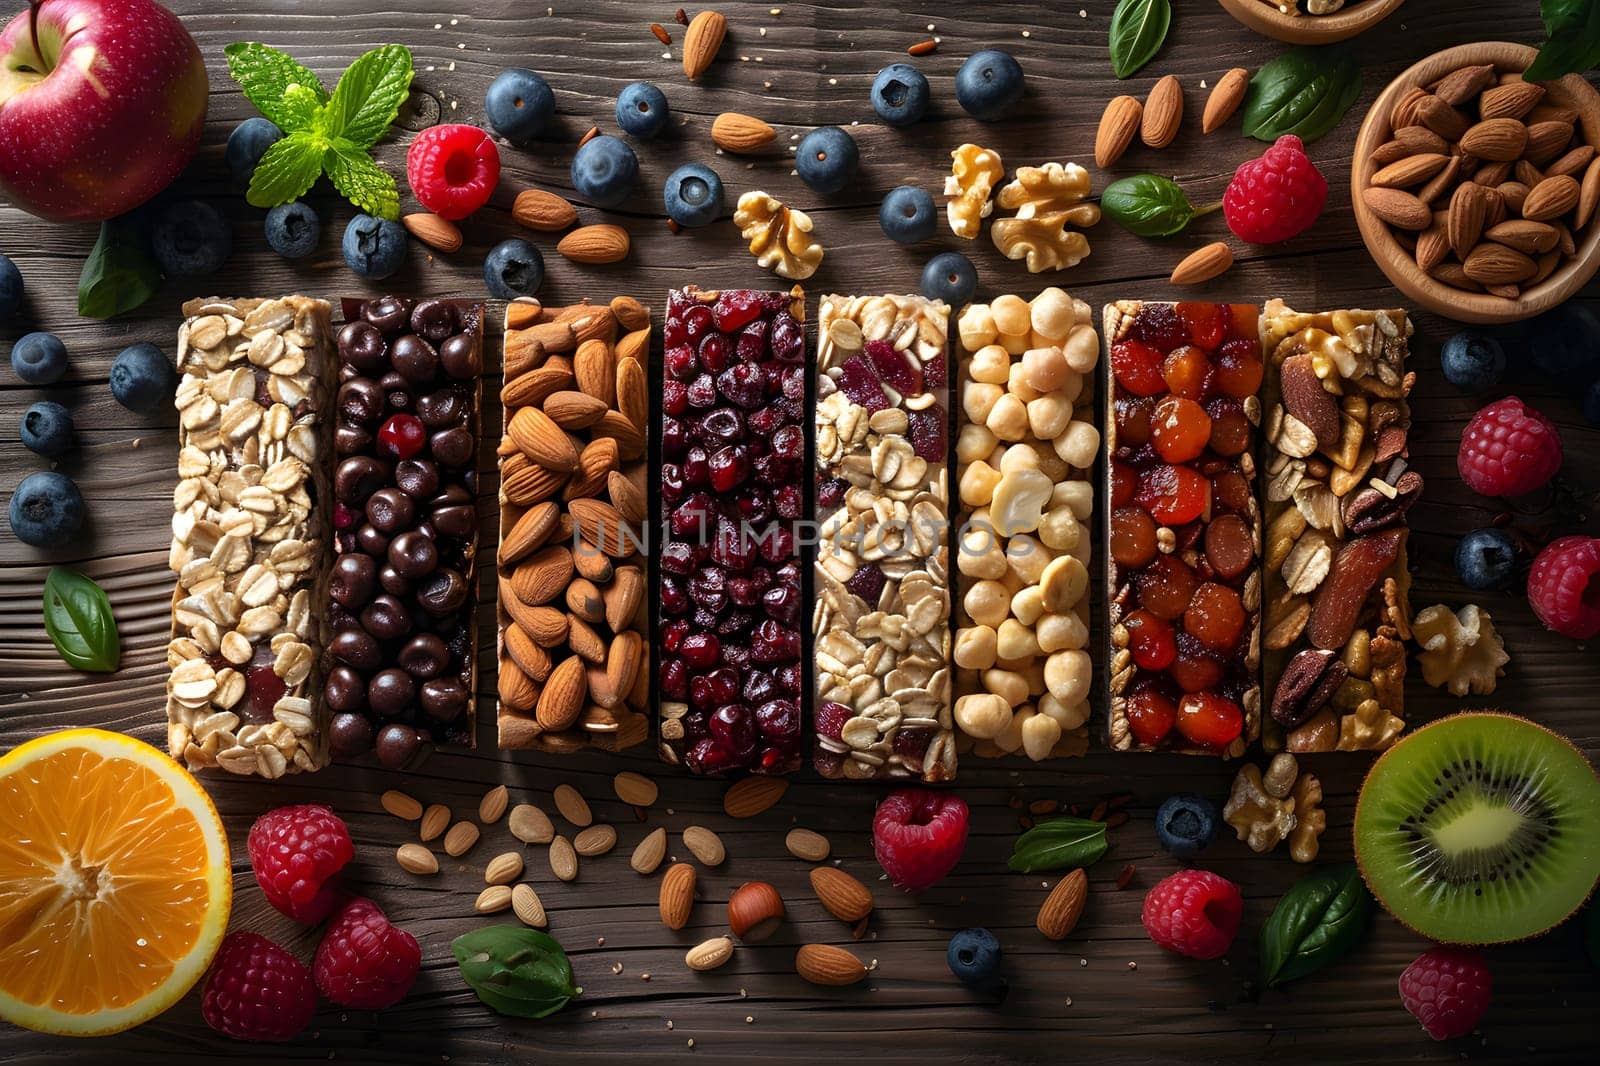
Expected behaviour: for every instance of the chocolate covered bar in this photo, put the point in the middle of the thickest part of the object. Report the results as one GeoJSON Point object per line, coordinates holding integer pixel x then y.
{"type": "Point", "coordinates": [1184, 527]}
{"type": "Point", "coordinates": [1025, 449]}
{"type": "Point", "coordinates": [250, 527]}
{"type": "Point", "coordinates": [1338, 487]}
{"type": "Point", "coordinates": [732, 462]}
{"type": "Point", "coordinates": [574, 658]}
{"type": "Point", "coordinates": [882, 618]}
{"type": "Point", "coordinates": [402, 661]}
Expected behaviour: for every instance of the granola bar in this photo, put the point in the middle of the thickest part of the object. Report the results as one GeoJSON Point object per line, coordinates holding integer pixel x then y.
{"type": "Point", "coordinates": [733, 456]}
{"type": "Point", "coordinates": [1338, 487]}
{"type": "Point", "coordinates": [574, 658]}
{"type": "Point", "coordinates": [882, 619]}
{"type": "Point", "coordinates": [1184, 600]}
{"type": "Point", "coordinates": [249, 530]}
{"type": "Point", "coordinates": [1025, 448]}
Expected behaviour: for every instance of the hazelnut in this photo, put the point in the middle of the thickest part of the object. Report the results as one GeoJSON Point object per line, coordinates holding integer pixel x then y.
{"type": "Point", "coordinates": [983, 714]}
{"type": "Point", "coordinates": [991, 364]}
{"type": "Point", "coordinates": [755, 911]}
{"type": "Point", "coordinates": [1011, 316]}
{"type": "Point", "coordinates": [1051, 313]}
{"type": "Point", "coordinates": [1060, 632]}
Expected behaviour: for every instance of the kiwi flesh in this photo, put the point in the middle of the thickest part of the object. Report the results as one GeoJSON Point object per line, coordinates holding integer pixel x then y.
{"type": "Point", "coordinates": [1480, 828]}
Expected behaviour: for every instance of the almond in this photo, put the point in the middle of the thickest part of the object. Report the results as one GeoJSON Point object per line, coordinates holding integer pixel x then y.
{"type": "Point", "coordinates": [1432, 246]}
{"type": "Point", "coordinates": [1460, 86]}
{"type": "Point", "coordinates": [1452, 275]}
{"type": "Point", "coordinates": [623, 598]}
{"type": "Point", "coordinates": [1225, 98]}
{"type": "Point", "coordinates": [1059, 914]}
{"type": "Point", "coordinates": [1444, 181]}
{"type": "Point", "coordinates": [546, 625]}
{"type": "Point", "coordinates": [649, 852]}
{"type": "Point", "coordinates": [623, 660]}
{"type": "Point", "coordinates": [595, 464]}
{"type": "Point", "coordinates": [493, 805]}
{"type": "Point", "coordinates": [1551, 198]}
{"type": "Point", "coordinates": [594, 367]}
{"type": "Point", "coordinates": [1529, 238]}
{"type": "Point", "coordinates": [503, 868]}
{"type": "Point", "coordinates": [824, 964]}
{"type": "Point", "coordinates": [493, 900]}
{"type": "Point", "coordinates": [1588, 194]}
{"type": "Point", "coordinates": [1412, 170]}
{"type": "Point", "coordinates": [528, 533]}
{"type": "Point", "coordinates": [636, 790]}
{"type": "Point", "coordinates": [1163, 112]}
{"type": "Point", "coordinates": [1308, 402]}
{"type": "Point", "coordinates": [1404, 112]}
{"type": "Point", "coordinates": [740, 134]}
{"type": "Point", "coordinates": [626, 497]}
{"type": "Point", "coordinates": [523, 312]}
{"type": "Point", "coordinates": [1547, 112]}
{"type": "Point", "coordinates": [1203, 264]}
{"type": "Point", "coordinates": [1513, 194]}
{"type": "Point", "coordinates": [701, 42]}
{"type": "Point", "coordinates": [630, 313]}
{"type": "Point", "coordinates": [1495, 264]}
{"type": "Point", "coordinates": [584, 641]}
{"type": "Point", "coordinates": [437, 233]}
{"type": "Point", "coordinates": [752, 795]}
{"type": "Point", "coordinates": [677, 896]}
{"type": "Point", "coordinates": [401, 805]}
{"type": "Point", "coordinates": [524, 483]}
{"type": "Point", "coordinates": [595, 840]}
{"type": "Point", "coordinates": [601, 525]}
{"type": "Point", "coordinates": [633, 399]}
{"type": "Point", "coordinates": [1118, 123]}
{"type": "Point", "coordinates": [528, 908]}
{"type": "Point", "coordinates": [530, 825]}
{"type": "Point", "coordinates": [840, 894]}
{"type": "Point", "coordinates": [1464, 220]}
{"type": "Point", "coordinates": [1356, 571]}
{"type": "Point", "coordinates": [574, 410]}
{"type": "Point", "coordinates": [542, 578]}
{"type": "Point", "coordinates": [806, 845]}
{"type": "Point", "coordinates": [416, 859]}
{"type": "Point", "coordinates": [538, 437]}
{"type": "Point", "coordinates": [1492, 174]}
{"type": "Point", "coordinates": [1514, 99]}
{"type": "Point", "coordinates": [529, 389]}
{"type": "Point", "coordinates": [1572, 162]}
{"type": "Point", "coordinates": [629, 437]}
{"type": "Point", "coordinates": [709, 954]}
{"type": "Point", "coordinates": [435, 820]}
{"type": "Point", "coordinates": [635, 346]}
{"type": "Point", "coordinates": [562, 699]}
{"type": "Point", "coordinates": [1409, 140]}
{"type": "Point", "coordinates": [1547, 140]}
{"type": "Point", "coordinates": [1441, 118]}
{"type": "Point", "coordinates": [460, 838]}
{"type": "Point", "coordinates": [563, 859]}
{"type": "Point", "coordinates": [1527, 173]}
{"type": "Point", "coordinates": [1398, 208]}
{"type": "Point", "coordinates": [704, 845]}
{"type": "Point", "coordinates": [543, 211]}
{"type": "Point", "coordinates": [595, 245]}
{"type": "Point", "coordinates": [573, 807]}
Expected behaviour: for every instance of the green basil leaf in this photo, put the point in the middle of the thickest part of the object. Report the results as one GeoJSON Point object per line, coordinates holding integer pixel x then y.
{"type": "Point", "coordinates": [1318, 920]}
{"type": "Point", "coordinates": [1064, 843]}
{"type": "Point", "coordinates": [1573, 45]}
{"type": "Point", "coordinates": [1147, 205]}
{"type": "Point", "coordinates": [265, 74]}
{"type": "Point", "coordinates": [1305, 91]}
{"type": "Point", "coordinates": [77, 615]}
{"type": "Point", "coordinates": [515, 970]}
{"type": "Point", "coordinates": [362, 181]}
{"type": "Point", "coordinates": [287, 169]}
{"type": "Point", "coordinates": [1138, 27]}
{"type": "Point", "coordinates": [120, 273]}
{"type": "Point", "coordinates": [369, 94]}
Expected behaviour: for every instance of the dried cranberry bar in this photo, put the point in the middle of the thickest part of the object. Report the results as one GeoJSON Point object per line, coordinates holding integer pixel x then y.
{"type": "Point", "coordinates": [401, 665]}
{"type": "Point", "coordinates": [1184, 536]}
{"type": "Point", "coordinates": [882, 619]}
{"type": "Point", "coordinates": [1338, 486]}
{"type": "Point", "coordinates": [732, 464]}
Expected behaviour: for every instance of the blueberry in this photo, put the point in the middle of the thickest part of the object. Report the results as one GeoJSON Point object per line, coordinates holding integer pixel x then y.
{"type": "Point", "coordinates": [989, 84]}
{"type": "Point", "coordinates": [1486, 559]}
{"type": "Point", "coordinates": [519, 104]}
{"type": "Point", "coordinates": [693, 195]}
{"type": "Point", "coordinates": [974, 957]}
{"type": "Point", "coordinates": [642, 110]}
{"type": "Point", "coordinates": [47, 428]}
{"type": "Point", "coordinates": [247, 143]}
{"type": "Point", "coordinates": [1591, 404]}
{"type": "Point", "coordinates": [142, 379]}
{"type": "Point", "coordinates": [1186, 823]}
{"type": "Point", "coordinates": [513, 268]}
{"type": "Point", "coordinates": [1564, 345]}
{"type": "Point", "coordinates": [39, 358]}
{"type": "Point", "coordinates": [907, 215]}
{"type": "Point", "coordinates": [374, 247]}
{"type": "Point", "coordinates": [10, 288]}
{"type": "Point", "coordinates": [190, 238]}
{"type": "Point", "coordinates": [604, 170]}
{"type": "Point", "coordinates": [826, 158]}
{"type": "Point", "coordinates": [293, 229]}
{"type": "Point", "coordinates": [1473, 362]}
{"type": "Point", "coordinates": [900, 94]}
{"type": "Point", "coordinates": [951, 277]}
{"type": "Point", "coordinates": [46, 509]}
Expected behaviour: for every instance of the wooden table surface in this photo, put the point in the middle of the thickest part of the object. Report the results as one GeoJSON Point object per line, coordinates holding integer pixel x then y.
{"type": "Point", "coordinates": [1106, 993]}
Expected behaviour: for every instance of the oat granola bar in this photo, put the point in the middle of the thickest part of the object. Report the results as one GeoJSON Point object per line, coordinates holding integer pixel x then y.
{"type": "Point", "coordinates": [250, 527]}
{"type": "Point", "coordinates": [882, 618]}
{"type": "Point", "coordinates": [1025, 449]}
{"type": "Point", "coordinates": [1337, 489]}
{"type": "Point", "coordinates": [572, 639]}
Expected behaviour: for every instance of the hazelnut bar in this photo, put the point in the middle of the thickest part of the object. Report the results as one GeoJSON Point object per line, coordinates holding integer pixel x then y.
{"type": "Point", "coordinates": [249, 528]}
{"type": "Point", "coordinates": [1184, 598]}
{"type": "Point", "coordinates": [1025, 449]}
{"type": "Point", "coordinates": [402, 662]}
{"type": "Point", "coordinates": [882, 618]}
{"type": "Point", "coordinates": [732, 461]}
{"type": "Point", "coordinates": [1337, 490]}
{"type": "Point", "coordinates": [571, 611]}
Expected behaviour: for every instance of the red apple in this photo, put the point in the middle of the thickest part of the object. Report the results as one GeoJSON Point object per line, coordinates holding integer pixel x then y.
{"type": "Point", "coordinates": [101, 106]}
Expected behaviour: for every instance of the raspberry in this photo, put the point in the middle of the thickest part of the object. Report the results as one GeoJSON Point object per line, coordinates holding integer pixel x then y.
{"type": "Point", "coordinates": [1508, 449]}
{"type": "Point", "coordinates": [297, 853]}
{"type": "Point", "coordinates": [1564, 587]}
{"type": "Point", "coordinates": [453, 169]}
{"type": "Point", "coordinates": [257, 991]}
{"type": "Point", "coordinates": [1193, 912]}
{"type": "Point", "coordinates": [364, 962]}
{"type": "Point", "coordinates": [918, 835]}
{"type": "Point", "coordinates": [1447, 990]}
{"type": "Point", "coordinates": [1275, 197]}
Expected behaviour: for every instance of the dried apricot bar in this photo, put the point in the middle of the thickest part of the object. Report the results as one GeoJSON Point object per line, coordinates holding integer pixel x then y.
{"type": "Point", "coordinates": [1025, 449]}
{"type": "Point", "coordinates": [574, 659]}
{"type": "Point", "coordinates": [733, 448]}
{"type": "Point", "coordinates": [250, 527]}
{"type": "Point", "coordinates": [882, 619]}
{"type": "Point", "coordinates": [1338, 487]}
{"type": "Point", "coordinates": [1184, 600]}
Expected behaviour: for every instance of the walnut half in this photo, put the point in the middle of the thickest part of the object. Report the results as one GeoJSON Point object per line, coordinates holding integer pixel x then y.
{"type": "Point", "coordinates": [780, 237]}
{"type": "Point", "coordinates": [1460, 650]}
{"type": "Point", "coordinates": [1046, 200]}
{"type": "Point", "coordinates": [974, 172]}
{"type": "Point", "coordinates": [1258, 817]}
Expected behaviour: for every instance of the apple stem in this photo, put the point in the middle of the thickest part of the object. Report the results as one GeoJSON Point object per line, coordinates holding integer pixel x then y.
{"type": "Point", "coordinates": [33, 26]}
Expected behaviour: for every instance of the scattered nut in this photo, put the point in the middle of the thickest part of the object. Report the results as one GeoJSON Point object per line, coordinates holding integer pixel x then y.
{"type": "Point", "coordinates": [779, 236]}
{"type": "Point", "coordinates": [1046, 200]}
{"type": "Point", "coordinates": [974, 173]}
{"type": "Point", "coordinates": [1460, 650]}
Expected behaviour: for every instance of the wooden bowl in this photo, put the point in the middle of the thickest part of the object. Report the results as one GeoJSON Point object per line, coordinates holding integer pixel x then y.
{"type": "Point", "coordinates": [1399, 265]}
{"type": "Point", "coordinates": [1348, 21]}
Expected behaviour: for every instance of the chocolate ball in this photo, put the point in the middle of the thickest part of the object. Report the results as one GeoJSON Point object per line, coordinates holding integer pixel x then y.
{"type": "Point", "coordinates": [354, 578]}
{"type": "Point", "coordinates": [457, 520]}
{"type": "Point", "coordinates": [393, 581]}
{"type": "Point", "coordinates": [357, 648]}
{"type": "Point", "coordinates": [386, 618]}
{"type": "Point", "coordinates": [443, 592]}
{"type": "Point", "coordinates": [413, 555]}
{"type": "Point", "coordinates": [453, 447]}
{"type": "Point", "coordinates": [452, 494]}
{"type": "Point", "coordinates": [388, 313]}
{"type": "Point", "coordinates": [373, 541]}
{"type": "Point", "coordinates": [361, 345]}
{"type": "Point", "coordinates": [415, 358]}
{"type": "Point", "coordinates": [417, 478]}
{"type": "Point", "coordinates": [349, 736]}
{"type": "Point", "coordinates": [345, 690]}
{"type": "Point", "coordinates": [424, 656]}
{"type": "Point", "coordinates": [447, 407]}
{"type": "Point", "coordinates": [397, 744]}
{"type": "Point", "coordinates": [360, 400]}
{"type": "Point", "coordinates": [390, 692]}
{"type": "Point", "coordinates": [352, 440]}
{"type": "Point", "coordinates": [434, 319]}
{"type": "Point", "coordinates": [444, 698]}
{"type": "Point", "coordinates": [391, 510]}
{"type": "Point", "coordinates": [461, 356]}
{"type": "Point", "coordinates": [358, 477]}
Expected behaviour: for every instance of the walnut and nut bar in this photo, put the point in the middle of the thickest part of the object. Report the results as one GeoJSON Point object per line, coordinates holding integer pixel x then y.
{"type": "Point", "coordinates": [732, 459]}
{"type": "Point", "coordinates": [573, 656]}
{"type": "Point", "coordinates": [882, 618]}
{"type": "Point", "coordinates": [249, 530]}
{"type": "Point", "coordinates": [1025, 448]}
{"type": "Point", "coordinates": [1184, 535]}
{"type": "Point", "coordinates": [1337, 486]}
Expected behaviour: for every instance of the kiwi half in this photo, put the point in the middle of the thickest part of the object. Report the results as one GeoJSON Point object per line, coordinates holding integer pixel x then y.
{"type": "Point", "coordinates": [1479, 829]}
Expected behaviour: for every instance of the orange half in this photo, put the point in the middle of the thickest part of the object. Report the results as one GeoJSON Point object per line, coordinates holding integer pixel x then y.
{"type": "Point", "coordinates": [114, 883]}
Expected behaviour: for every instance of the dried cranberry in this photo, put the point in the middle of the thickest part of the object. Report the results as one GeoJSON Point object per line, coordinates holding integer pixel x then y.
{"type": "Point", "coordinates": [867, 582]}
{"type": "Point", "coordinates": [1133, 537]}
{"type": "Point", "coordinates": [672, 635]}
{"type": "Point", "coordinates": [778, 720]}
{"type": "Point", "coordinates": [674, 679]}
{"type": "Point", "coordinates": [759, 687]}
{"type": "Point", "coordinates": [927, 434]}
{"type": "Point", "coordinates": [1124, 481]}
{"type": "Point", "coordinates": [752, 343]}
{"type": "Point", "coordinates": [789, 502]}
{"type": "Point", "coordinates": [703, 391]}
{"type": "Point", "coordinates": [711, 690]}
{"type": "Point", "coordinates": [788, 338]}
{"type": "Point", "coordinates": [731, 726]}
{"type": "Point", "coordinates": [736, 655]}
{"type": "Point", "coordinates": [789, 443]}
{"type": "Point", "coordinates": [743, 384]}
{"type": "Point", "coordinates": [765, 421]}
{"type": "Point", "coordinates": [782, 602]}
{"type": "Point", "coordinates": [827, 763]}
{"type": "Point", "coordinates": [893, 369]}
{"type": "Point", "coordinates": [700, 650]}
{"type": "Point", "coordinates": [1216, 617]}
{"type": "Point", "coordinates": [773, 642]}
{"type": "Point", "coordinates": [708, 588]}
{"type": "Point", "coordinates": [678, 558]}
{"type": "Point", "coordinates": [696, 471]}
{"type": "Point", "coordinates": [674, 438]}
{"type": "Point", "coordinates": [401, 436]}
{"type": "Point", "coordinates": [830, 493]}
{"type": "Point", "coordinates": [1179, 429]}
{"type": "Point", "coordinates": [265, 687]}
{"type": "Point", "coordinates": [697, 323]}
{"type": "Point", "coordinates": [790, 675]}
{"type": "Point", "coordinates": [735, 308]}
{"type": "Point", "coordinates": [1159, 325]}
{"type": "Point", "coordinates": [728, 468]}
{"type": "Point", "coordinates": [1239, 368]}
{"type": "Point", "coordinates": [1166, 586]}
{"type": "Point", "coordinates": [912, 745]}
{"type": "Point", "coordinates": [777, 544]}
{"type": "Point", "coordinates": [674, 397]}
{"type": "Point", "coordinates": [680, 362]}
{"type": "Point", "coordinates": [794, 384]}
{"type": "Point", "coordinates": [860, 385]}
{"type": "Point", "coordinates": [709, 757]}
{"type": "Point", "coordinates": [723, 424]}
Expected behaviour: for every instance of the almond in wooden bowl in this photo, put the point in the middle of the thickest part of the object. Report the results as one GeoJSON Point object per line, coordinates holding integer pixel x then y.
{"type": "Point", "coordinates": [1272, 20]}
{"type": "Point", "coordinates": [1501, 233]}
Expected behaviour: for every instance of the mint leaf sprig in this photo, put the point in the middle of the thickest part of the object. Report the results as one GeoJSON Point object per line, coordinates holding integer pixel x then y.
{"type": "Point", "coordinates": [324, 133]}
